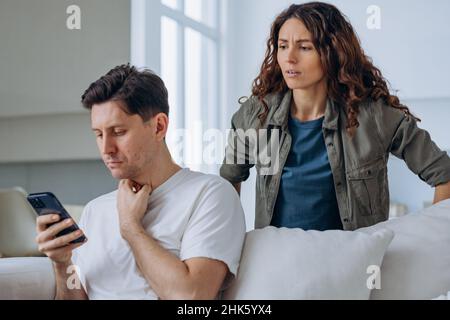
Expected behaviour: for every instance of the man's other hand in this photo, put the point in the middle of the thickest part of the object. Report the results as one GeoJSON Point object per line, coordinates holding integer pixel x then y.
{"type": "Point", "coordinates": [131, 205]}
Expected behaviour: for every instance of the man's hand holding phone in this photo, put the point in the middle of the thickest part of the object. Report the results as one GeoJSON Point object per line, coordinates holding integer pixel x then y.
{"type": "Point", "coordinates": [58, 249]}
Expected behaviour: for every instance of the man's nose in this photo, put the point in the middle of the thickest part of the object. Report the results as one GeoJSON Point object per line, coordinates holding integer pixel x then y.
{"type": "Point", "coordinates": [108, 145]}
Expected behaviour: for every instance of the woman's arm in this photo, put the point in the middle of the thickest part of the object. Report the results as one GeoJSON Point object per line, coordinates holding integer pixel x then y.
{"type": "Point", "coordinates": [441, 192]}
{"type": "Point", "coordinates": [235, 168]}
{"type": "Point", "coordinates": [403, 138]}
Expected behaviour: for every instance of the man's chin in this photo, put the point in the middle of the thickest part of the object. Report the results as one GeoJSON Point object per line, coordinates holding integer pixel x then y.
{"type": "Point", "coordinates": [118, 174]}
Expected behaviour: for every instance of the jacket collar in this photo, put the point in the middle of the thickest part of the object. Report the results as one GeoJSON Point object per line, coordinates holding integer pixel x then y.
{"type": "Point", "coordinates": [281, 114]}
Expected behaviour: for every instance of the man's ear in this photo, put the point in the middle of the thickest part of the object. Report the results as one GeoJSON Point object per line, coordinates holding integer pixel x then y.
{"type": "Point", "coordinates": [161, 121]}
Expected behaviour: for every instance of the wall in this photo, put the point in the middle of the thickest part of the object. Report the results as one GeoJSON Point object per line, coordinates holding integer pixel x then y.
{"type": "Point", "coordinates": [45, 68]}
{"type": "Point", "coordinates": [46, 143]}
{"type": "Point", "coordinates": [73, 182]}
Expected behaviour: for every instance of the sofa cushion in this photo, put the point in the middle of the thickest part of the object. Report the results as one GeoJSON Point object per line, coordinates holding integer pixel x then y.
{"type": "Point", "coordinates": [26, 278]}
{"type": "Point", "coordinates": [296, 264]}
{"type": "Point", "coordinates": [417, 262]}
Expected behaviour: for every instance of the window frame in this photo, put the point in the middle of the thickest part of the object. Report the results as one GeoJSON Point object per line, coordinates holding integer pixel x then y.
{"type": "Point", "coordinates": [146, 43]}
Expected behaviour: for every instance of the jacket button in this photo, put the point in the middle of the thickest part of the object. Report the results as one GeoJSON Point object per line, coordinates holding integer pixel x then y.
{"type": "Point", "coordinates": [345, 220]}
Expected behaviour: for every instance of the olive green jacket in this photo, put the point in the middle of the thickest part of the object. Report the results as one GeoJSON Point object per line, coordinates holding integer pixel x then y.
{"type": "Point", "coordinates": [358, 163]}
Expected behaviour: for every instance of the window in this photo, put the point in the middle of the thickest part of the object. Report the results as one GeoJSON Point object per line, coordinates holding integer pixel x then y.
{"type": "Point", "coordinates": [187, 59]}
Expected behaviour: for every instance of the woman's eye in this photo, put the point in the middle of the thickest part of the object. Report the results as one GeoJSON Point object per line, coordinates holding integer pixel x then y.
{"type": "Point", "coordinates": [306, 48]}
{"type": "Point", "coordinates": [282, 47]}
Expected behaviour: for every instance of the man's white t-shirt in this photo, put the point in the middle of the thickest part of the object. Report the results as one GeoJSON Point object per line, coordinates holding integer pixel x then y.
{"type": "Point", "coordinates": [191, 214]}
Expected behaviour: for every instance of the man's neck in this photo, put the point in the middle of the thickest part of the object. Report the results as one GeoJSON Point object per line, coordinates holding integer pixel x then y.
{"type": "Point", "coordinates": [309, 104]}
{"type": "Point", "coordinates": [162, 168]}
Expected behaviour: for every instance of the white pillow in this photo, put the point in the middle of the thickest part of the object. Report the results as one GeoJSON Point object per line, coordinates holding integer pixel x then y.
{"type": "Point", "coordinates": [296, 264]}
{"type": "Point", "coordinates": [26, 278]}
{"type": "Point", "coordinates": [417, 262]}
{"type": "Point", "coordinates": [443, 297]}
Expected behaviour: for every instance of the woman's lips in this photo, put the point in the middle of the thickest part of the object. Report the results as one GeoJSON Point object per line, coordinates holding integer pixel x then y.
{"type": "Point", "coordinates": [292, 74]}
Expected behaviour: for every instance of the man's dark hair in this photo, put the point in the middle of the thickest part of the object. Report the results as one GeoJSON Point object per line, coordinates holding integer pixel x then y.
{"type": "Point", "coordinates": [139, 92]}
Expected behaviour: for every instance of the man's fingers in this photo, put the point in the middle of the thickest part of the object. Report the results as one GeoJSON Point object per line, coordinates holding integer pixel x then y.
{"type": "Point", "coordinates": [58, 252]}
{"type": "Point", "coordinates": [60, 241]}
{"type": "Point", "coordinates": [53, 230]}
{"type": "Point", "coordinates": [125, 184]}
{"type": "Point", "coordinates": [76, 245]}
{"type": "Point", "coordinates": [146, 189]}
{"type": "Point", "coordinates": [130, 185]}
{"type": "Point", "coordinates": [44, 220]}
{"type": "Point", "coordinates": [134, 186]}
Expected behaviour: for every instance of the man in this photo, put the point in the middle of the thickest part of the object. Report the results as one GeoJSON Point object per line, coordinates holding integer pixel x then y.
{"type": "Point", "coordinates": [167, 232]}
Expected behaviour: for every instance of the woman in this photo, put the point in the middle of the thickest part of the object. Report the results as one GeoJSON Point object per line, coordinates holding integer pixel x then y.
{"type": "Point", "coordinates": [337, 124]}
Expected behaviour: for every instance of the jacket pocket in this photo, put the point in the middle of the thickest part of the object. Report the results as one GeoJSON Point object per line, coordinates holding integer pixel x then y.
{"type": "Point", "coordinates": [368, 189]}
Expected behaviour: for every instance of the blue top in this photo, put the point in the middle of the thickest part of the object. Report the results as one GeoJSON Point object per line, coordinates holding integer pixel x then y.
{"type": "Point", "coordinates": [307, 198]}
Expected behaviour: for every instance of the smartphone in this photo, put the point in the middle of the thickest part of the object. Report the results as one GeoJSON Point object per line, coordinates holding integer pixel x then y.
{"type": "Point", "coordinates": [47, 203]}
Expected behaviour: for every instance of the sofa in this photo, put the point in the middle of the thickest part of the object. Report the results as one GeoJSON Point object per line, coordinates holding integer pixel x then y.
{"type": "Point", "coordinates": [402, 258]}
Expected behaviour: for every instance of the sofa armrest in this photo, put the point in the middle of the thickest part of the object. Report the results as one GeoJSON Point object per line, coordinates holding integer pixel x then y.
{"type": "Point", "coordinates": [30, 278]}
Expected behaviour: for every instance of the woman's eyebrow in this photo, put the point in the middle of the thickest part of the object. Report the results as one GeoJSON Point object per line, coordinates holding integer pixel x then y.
{"type": "Point", "coordinates": [298, 41]}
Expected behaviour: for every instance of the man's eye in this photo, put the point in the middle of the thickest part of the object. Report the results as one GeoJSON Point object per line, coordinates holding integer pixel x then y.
{"type": "Point", "coordinates": [119, 133]}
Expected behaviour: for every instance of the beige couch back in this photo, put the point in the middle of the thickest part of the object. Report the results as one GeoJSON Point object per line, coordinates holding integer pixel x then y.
{"type": "Point", "coordinates": [18, 223]}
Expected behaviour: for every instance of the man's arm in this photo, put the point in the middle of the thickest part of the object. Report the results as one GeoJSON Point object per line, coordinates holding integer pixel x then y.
{"type": "Point", "coordinates": [169, 277]}
{"type": "Point", "coordinates": [59, 250]}
{"type": "Point", "coordinates": [441, 192]}
{"type": "Point", "coordinates": [63, 292]}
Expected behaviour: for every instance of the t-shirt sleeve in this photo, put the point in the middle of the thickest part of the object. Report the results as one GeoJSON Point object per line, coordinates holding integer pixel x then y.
{"type": "Point", "coordinates": [216, 229]}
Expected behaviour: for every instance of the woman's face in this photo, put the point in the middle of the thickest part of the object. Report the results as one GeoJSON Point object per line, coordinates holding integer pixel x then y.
{"type": "Point", "coordinates": [298, 59]}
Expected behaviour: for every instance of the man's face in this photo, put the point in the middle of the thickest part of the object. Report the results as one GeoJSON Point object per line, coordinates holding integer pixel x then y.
{"type": "Point", "coordinates": [126, 143]}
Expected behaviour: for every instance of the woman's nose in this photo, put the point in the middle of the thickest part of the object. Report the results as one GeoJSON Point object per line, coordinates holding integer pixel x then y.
{"type": "Point", "coordinates": [291, 56]}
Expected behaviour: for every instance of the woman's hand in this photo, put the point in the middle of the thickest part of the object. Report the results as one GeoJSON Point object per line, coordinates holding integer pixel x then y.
{"type": "Point", "coordinates": [442, 192]}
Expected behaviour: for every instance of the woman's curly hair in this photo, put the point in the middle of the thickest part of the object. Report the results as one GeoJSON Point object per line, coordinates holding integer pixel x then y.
{"type": "Point", "coordinates": [351, 75]}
